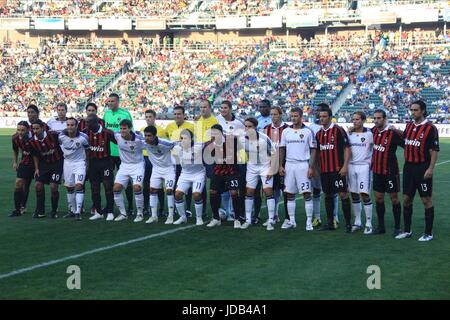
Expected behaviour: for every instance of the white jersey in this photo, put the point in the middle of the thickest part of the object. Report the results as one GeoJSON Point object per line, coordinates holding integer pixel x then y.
{"type": "Point", "coordinates": [234, 127]}
{"type": "Point", "coordinates": [57, 125]}
{"type": "Point", "coordinates": [259, 148]}
{"type": "Point", "coordinates": [361, 145]}
{"type": "Point", "coordinates": [130, 151]}
{"type": "Point", "coordinates": [160, 153]}
{"type": "Point", "coordinates": [298, 143]}
{"type": "Point", "coordinates": [190, 160]}
{"type": "Point", "coordinates": [74, 148]}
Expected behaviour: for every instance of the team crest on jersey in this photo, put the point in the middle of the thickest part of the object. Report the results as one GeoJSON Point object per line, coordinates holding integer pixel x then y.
{"type": "Point", "coordinates": [363, 139]}
{"type": "Point", "coordinates": [332, 139]}
{"type": "Point", "coordinates": [421, 136]}
{"type": "Point", "coordinates": [132, 147]}
{"type": "Point", "coordinates": [77, 144]}
{"type": "Point", "coordinates": [386, 141]}
{"type": "Point", "coordinates": [301, 135]}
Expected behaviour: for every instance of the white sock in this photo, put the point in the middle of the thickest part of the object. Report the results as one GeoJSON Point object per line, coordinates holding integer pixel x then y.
{"type": "Point", "coordinates": [180, 208]}
{"type": "Point", "coordinates": [118, 199]}
{"type": "Point", "coordinates": [271, 209]}
{"type": "Point", "coordinates": [154, 204]}
{"type": "Point", "coordinates": [291, 210]}
{"type": "Point", "coordinates": [71, 201]}
{"type": "Point", "coordinates": [79, 198]}
{"type": "Point", "coordinates": [316, 206]}
{"type": "Point", "coordinates": [199, 208]}
{"type": "Point", "coordinates": [336, 207]}
{"type": "Point", "coordinates": [248, 209]}
{"type": "Point", "coordinates": [368, 211]}
{"type": "Point", "coordinates": [171, 204]}
{"type": "Point", "coordinates": [309, 208]}
{"type": "Point", "coordinates": [357, 212]}
{"type": "Point", "coordinates": [139, 198]}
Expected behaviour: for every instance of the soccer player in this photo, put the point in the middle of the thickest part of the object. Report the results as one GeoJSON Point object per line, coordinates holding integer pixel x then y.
{"type": "Point", "coordinates": [359, 180]}
{"type": "Point", "coordinates": [259, 149]}
{"type": "Point", "coordinates": [159, 153]}
{"type": "Point", "coordinates": [24, 169]}
{"type": "Point", "coordinates": [131, 168]}
{"type": "Point", "coordinates": [91, 108]}
{"type": "Point", "coordinates": [274, 132]}
{"type": "Point", "coordinates": [189, 156]}
{"type": "Point", "coordinates": [421, 152]}
{"type": "Point", "coordinates": [334, 156]}
{"type": "Point", "coordinates": [48, 164]}
{"type": "Point", "coordinates": [74, 144]}
{"type": "Point", "coordinates": [386, 176]}
{"type": "Point", "coordinates": [58, 124]}
{"type": "Point", "coordinates": [113, 116]}
{"type": "Point", "coordinates": [298, 150]}
{"type": "Point", "coordinates": [100, 166]}
{"type": "Point", "coordinates": [225, 177]}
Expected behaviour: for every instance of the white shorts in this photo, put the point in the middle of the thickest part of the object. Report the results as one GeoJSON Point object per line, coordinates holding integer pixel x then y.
{"type": "Point", "coordinates": [296, 179]}
{"type": "Point", "coordinates": [187, 181]}
{"type": "Point", "coordinates": [255, 172]}
{"type": "Point", "coordinates": [74, 172]}
{"type": "Point", "coordinates": [135, 172]}
{"type": "Point", "coordinates": [359, 178]}
{"type": "Point", "coordinates": [159, 175]}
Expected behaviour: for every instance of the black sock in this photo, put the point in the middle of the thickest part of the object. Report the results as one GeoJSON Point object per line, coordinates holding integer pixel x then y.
{"type": "Point", "coordinates": [285, 199]}
{"type": "Point", "coordinates": [26, 192]}
{"type": "Point", "coordinates": [381, 209]}
{"type": "Point", "coordinates": [40, 201]}
{"type": "Point", "coordinates": [397, 210]}
{"type": "Point", "coordinates": [429, 218]}
{"type": "Point", "coordinates": [96, 197]}
{"type": "Point", "coordinates": [189, 200]}
{"type": "Point", "coordinates": [55, 200]}
{"type": "Point", "coordinates": [18, 195]}
{"type": "Point", "coordinates": [346, 208]}
{"type": "Point", "coordinates": [407, 216]}
{"type": "Point", "coordinates": [329, 206]}
{"type": "Point", "coordinates": [215, 199]}
{"type": "Point", "coordinates": [161, 200]}
{"type": "Point", "coordinates": [238, 204]}
{"type": "Point", "coordinates": [204, 198]}
{"type": "Point", "coordinates": [129, 194]}
{"type": "Point", "coordinates": [109, 195]}
{"type": "Point", "coordinates": [146, 193]}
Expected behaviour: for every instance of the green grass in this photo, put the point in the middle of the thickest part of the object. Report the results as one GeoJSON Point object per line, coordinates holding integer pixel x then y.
{"type": "Point", "coordinates": [222, 263]}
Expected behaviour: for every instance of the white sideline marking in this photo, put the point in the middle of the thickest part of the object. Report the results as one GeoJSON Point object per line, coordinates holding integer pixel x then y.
{"type": "Point", "coordinates": [86, 253]}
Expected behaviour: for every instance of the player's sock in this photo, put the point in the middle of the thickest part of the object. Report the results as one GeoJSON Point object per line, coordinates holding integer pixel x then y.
{"type": "Point", "coordinates": [368, 211]}
{"type": "Point", "coordinates": [316, 206]}
{"type": "Point", "coordinates": [55, 200]}
{"type": "Point", "coordinates": [277, 200]}
{"type": "Point", "coordinates": [257, 203]}
{"type": "Point", "coordinates": [397, 211]}
{"type": "Point", "coordinates": [336, 207]}
{"type": "Point", "coordinates": [407, 213]}
{"type": "Point", "coordinates": [18, 195]}
{"type": "Point", "coordinates": [226, 201]}
{"type": "Point", "coordinates": [429, 218]}
{"type": "Point", "coordinates": [189, 199]}
{"type": "Point", "coordinates": [79, 198]}
{"type": "Point", "coordinates": [40, 201]}
{"type": "Point", "coordinates": [238, 205]}
{"type": "Point", "coordinates": [286, 211]}
{"type": "Point", "coordinates": [329, 207]}
{"type": "Point", "coordinates": [171, 204]}
{"type": "Point", "coordinates": [146, 195]}
{"type": "Point", "coordinates": [161, 199]}
{"type": "Point", "coordinates": [118, 199]}
{"type": "Point", "coordinates": [248, 209]}
{"type": "Point", "coordinates": [357, 211]}
{"type": "Point", "coordinates": [215, 205]}
{"type": "Point", "coordinates": [109, 195]}
{"type": "Point", "coordinates": [198, 208]}
{"type": "Point", "coordinates": [139, 198]}
{"type": "Point", "coordinates": [26, 192]}
{"type": "Point", "coordinates": [381, 209]}
{"type": "Point", "coordinates": [271, 208]}
{"type": "Point", "coordinates": [180, 208]}
{"type": "Point", "coordinates": [129, 194]}
{"type": "Point", "coordinates": [95, 196]}
{"type": "Point", "coordinates": [154, 204]}
{"type": "Point", "coordinates": [291, 209]}
{"type": "Point", "coordinates": [346, 208]}
{"type": "Point", "coordinates": [309, 209]}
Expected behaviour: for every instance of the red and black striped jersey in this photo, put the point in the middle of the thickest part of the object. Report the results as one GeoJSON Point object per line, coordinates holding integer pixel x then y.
{"type": "Point", "coordinates": [419, 140]}
{"type": "Point", "coordinates": [225, 165]}
{"type": "Point", "coordinates": [274, 133]}
{"type": "Point", "coordinates": [47, 149]}
{"type": "Point", "coordinates": [22, 144]}
{"type": "Point", "coordinates": [82, 124]}
{"type": "Point", "coordinates": [384, 158]}
{"type": "Point", "coordinates": [331, 144]}
{"type": "Point", "coordinates": [99, 142]}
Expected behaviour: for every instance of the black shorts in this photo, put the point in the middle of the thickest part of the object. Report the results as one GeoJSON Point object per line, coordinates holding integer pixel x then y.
{"type": "Point", "coordinates": [50, 172]}
{"type": "Point", "coordinates": [116, 163]}
{"type": "Point", "coordinates": [413, 180]}
{"type": "Point", "coordinates": [333, 182]}
{"type": "Point", "coordinates": [101, 170]}
{"type": "Point", "coordinates": [25, 171]}
{"type": "Point", "coordinates": [225, 183]}
{"type": "Point", "coordinates": [386, 183]}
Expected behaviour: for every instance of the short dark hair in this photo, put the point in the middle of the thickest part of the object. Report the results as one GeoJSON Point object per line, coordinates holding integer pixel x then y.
{"type": "Point", "coordinates": [228, 103]}
{"type": "Point", "coordinates": [179, 108]}
{"type": "Point", "coordinates": [383, 113]}
{"type": "Point", "coordinates": [217, 127]}
{"type": "Point", "coordinates": [39, 122]}
{"type": "Point", "coordinates": [72, 118]}
{"type": "Point", "coordinates": [297, 110]}
{"type": "Point", "coordinates": [422, 105]}
{"type": "Point", "coordinates": [92, 104]}
{"type": "Point", "coordinates": [114, 95]}
{"type": "Point", "coordinates": [323, 107]}
{"type": "Point", "coordinates": [151, 129]}
{"type": "Point", "coordinates": [33, 107]}
{"type": "Point", "coordinates": [361, 114]}
{"type": "Point", "coordinates": [61, 104]}
{"type": "Point", "coordinates": [280, 111]}
{"type": "Point", "coordinates": [151, 111]}
{"type": "Point", "coordinates": [126, 122]}
{"type": "Point", "coordinates": [253, 121]}
{"type": "Point", "coordinates": [189, 133]}
{"type": "Point", "coordinates": [24, 123]}
{"type": "Point", "coordinates": [266, 101]}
